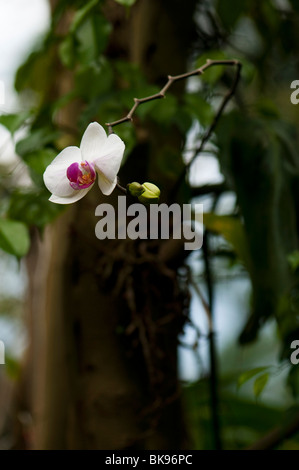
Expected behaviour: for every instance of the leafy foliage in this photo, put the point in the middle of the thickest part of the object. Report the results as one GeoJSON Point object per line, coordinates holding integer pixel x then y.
{"type": "Point", "coordinates": [260, 383]}
{"type": "Point", "coordinates": [249, 375]}
{"type": "Point", "coordinates": [14, 237]}
{"type": "Point", "coordinates": [243, 421]}
{"type": "Point", "coordinates": [13, 122]}
{"type": "Point", "coordinates": [232, 230]}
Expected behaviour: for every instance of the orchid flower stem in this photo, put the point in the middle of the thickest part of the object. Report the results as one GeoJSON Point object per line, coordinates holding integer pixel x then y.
{"type": "Point", "coordinates": [121, 188]}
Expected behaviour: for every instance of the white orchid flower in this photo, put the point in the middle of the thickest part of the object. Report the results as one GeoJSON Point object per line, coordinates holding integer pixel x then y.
{"type": "Point", "coordinates": [73, 172]}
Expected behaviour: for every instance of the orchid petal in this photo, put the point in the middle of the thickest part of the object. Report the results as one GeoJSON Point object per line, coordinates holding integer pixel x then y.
{"type": "Point", "coordinates": [109, 160]}
{"type": "Point", "coordinates": [55, 177]}
{"type": "Point", "coordinates": [75, 196]}
{"type": "Point", "coordinates": [105, 185]}
{"type": "Point", "coordinates": [93, 140]}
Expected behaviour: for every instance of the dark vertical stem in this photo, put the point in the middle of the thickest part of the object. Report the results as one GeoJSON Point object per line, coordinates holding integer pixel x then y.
{"type": "Point", "coordinates": [212, 349]}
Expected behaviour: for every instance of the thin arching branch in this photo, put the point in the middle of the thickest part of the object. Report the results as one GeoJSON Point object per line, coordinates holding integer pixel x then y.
{"type": "Point", "coordinates": [217, 188]}
{"type": "Point", "coordinates": [221, 108]}
{"type": "Point", "coordinates": [209, 63]}
{"type": "Point", "coordinates": [207, 135]}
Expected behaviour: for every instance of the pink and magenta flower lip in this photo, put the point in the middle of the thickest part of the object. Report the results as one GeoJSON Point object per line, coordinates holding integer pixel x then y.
{"type": "Point", "coordinates": [81, 175]}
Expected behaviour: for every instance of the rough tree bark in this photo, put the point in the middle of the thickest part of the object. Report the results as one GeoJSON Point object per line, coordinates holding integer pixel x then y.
{"type": "Point", "coordinates": [105, 315]}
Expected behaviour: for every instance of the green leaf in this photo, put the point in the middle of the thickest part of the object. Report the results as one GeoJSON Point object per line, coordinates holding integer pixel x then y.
{"type": "Point", "coordinates": [67, 51]}
{"type": "Point", "coordinates": [36, 73]}
{"type": "Point", "coordinates": [36, 140]}
{"type": "Point", "coordinates": [38, 162]}
{"type": "Point", "coordinates": [91, 39]}
{"type": "Point", "coordinates": [228, 14]}
{"type": "Point", "coordinates": [102, 29]}
{"type": "Point", "coordinates": [33, 208]}
{"type": "Point", "coordinates": [126, 3]}
{"type": "Point", "coordinates": [243, 378]}
{"type": "Point", "coordinates": [232, 229]}
{"type": "Point", "coordinates": [237, 413]}
{"type": "Point", "coordinates": [260, 384]}
{"type": "Point", "coordinates": [293, 259]}
{"type": "Point", "coordinates": [82, 14]}
{"type": "Point", "coordinates": [13, 122]}
{"type": "Point", "coordinates": [93, 80]}
{"type": "Point", "coordinates": [199, 107]}
{"type": "Point", "coordinates": [87, 38]}
{"type": "Point", "coordinates": [164, 112]}
{"type": "Point", "coordinates": [267, 108]}
{"type": "Point", "coordinates": [14, 237]}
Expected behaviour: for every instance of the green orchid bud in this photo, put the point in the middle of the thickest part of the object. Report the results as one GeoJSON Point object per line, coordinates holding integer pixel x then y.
{"type": "Point", "coordinates": [150, 195]}
{"type": "Point", "coordinates": [135, 189]}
